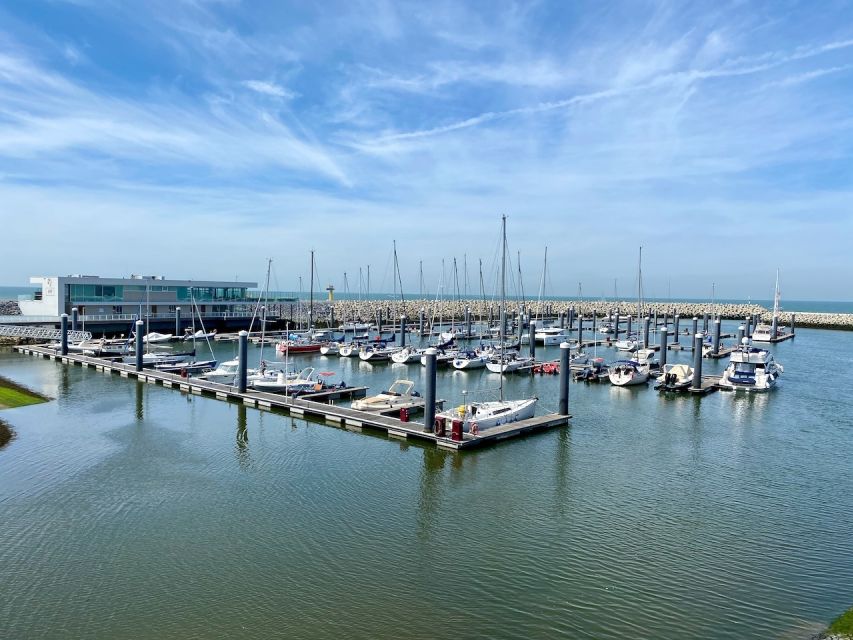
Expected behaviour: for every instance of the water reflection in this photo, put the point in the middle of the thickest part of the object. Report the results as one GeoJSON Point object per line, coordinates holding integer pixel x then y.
{"type": "Point", "coordinates": [241, 448]}
{"type": "Point", "coordinates": [140, 413]}
{"type": "Point", "coordinates": [429, 497]}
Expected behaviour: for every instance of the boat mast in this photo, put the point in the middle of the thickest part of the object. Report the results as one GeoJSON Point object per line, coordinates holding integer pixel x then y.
{"type": "Point", "coordinates": [520, 281]}
{"type": "Point", "coordinates": [311, 296]}
{"type": "Point", "coordinates": [147, 316]}
{"type": "Point", "coordinates": [367, 293]}
{"type": "Point", "coordinates": [399, 277]}
{"type": "Point", "coordinates": [776, 297]}
{"type": "Point", "coordinates": [640, 286]}
{"type": "Point", "coordinates": [264, 315]}
{"type": "Point", "coordinates": [465, 283]}
{"type": "Point", "coordinates": [542, 284]}
{"type": "Point", "coordinates": [421, 282]}
{"type": "Point", "coordinates": [503, 299]}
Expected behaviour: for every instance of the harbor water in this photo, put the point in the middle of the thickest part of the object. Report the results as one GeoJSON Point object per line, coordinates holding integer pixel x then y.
{"type": "Point", "coordinates": [132, 510]}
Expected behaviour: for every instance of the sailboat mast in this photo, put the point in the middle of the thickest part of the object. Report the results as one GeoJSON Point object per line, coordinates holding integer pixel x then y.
{"type": "Point", "coordinates": [264, 315]}
{"type": "Point", "coordinates": [776, 297]}
{"type": "Point", "coordinates": [482, 288]}
{"type": "Point", "coordinates": [520, 281]}
{"type": "Point", "coordinates": [640, 285]}
{"type": "Point", "coordinates": [399, 277]}
{"type": "Point", "coordinates": [421, 280]}
{"type": "Point", "coordinates": [503, 297]}
{"type": "Point", "coordinates": [311, 296]}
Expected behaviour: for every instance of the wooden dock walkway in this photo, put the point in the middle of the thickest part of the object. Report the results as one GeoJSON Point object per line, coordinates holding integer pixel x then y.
{"type": "Point", "coordinates": [317, 405]}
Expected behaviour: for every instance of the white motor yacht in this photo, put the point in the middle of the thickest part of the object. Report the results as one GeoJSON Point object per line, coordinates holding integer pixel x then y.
{"type": "Point", "coordinates": [398, 396]}
{"type": "Point", "coordinates": [750, 369]}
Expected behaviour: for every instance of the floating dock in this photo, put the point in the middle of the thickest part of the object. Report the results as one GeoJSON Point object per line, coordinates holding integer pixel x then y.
{"type": "Point", "coordinates": [316, 405]}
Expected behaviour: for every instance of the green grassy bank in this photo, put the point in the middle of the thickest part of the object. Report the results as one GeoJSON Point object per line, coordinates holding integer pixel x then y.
{"type": "Point", "coordinates": [842, 625]}
{"type": "Point", "coordinates": [14, 395]}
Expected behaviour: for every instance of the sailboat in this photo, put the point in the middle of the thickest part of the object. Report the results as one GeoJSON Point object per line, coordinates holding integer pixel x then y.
{"type": "Point", "coordinates": [476, 416]}
{"type": "Point", "coordinates": [764, 332]}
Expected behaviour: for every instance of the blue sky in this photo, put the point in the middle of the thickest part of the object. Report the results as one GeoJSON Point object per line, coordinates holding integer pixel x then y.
{"type": "Point", "coordinates": [197, 138]}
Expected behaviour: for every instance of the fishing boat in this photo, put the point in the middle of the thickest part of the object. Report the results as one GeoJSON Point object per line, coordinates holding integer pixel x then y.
{"type": "Point", "coordinates": [477, 416]}
{"type": "Point", "coordinates": [750, 369]}
{"type": "Point", "coordinates": [626, 373]}
{"type": "Point", "coordinates": [399, 396]}
{"type": "Point", "coordinates": [407, 355]}
{"type": "Point", "coordinates": [675, 377]}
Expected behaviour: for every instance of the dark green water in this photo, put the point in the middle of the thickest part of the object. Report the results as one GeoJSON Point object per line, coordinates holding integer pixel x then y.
{"type": "Point", "coordinates": [129, 510]}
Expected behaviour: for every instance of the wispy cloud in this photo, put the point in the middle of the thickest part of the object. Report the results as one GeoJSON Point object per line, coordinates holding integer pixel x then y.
{"type": "Point", "coordinates": [269, 88]}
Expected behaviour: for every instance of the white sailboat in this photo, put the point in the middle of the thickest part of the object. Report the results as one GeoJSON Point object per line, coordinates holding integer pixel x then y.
{"type": "Point", "coordinates": [477, 416]}
{"type": "Point", "coordinates": [626, 373]}
{"type": "Point", "coordinates": [764, 332]}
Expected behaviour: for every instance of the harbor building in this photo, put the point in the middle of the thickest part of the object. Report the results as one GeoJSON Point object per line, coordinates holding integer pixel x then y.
{"type": "Point", "coordinates": [144, 295]}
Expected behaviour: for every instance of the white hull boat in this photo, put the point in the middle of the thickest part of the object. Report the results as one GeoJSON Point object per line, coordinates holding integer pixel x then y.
{"type": "Point", "coordinates": [377, 354]}
{"type": "Point", "coordinates": [330, 349]}
{"type": "Point", "coordinates": [200, 335]}
{"type": "Point", "coordinates": [478, 416]}
{"type": "Point", "coordinates": [507, 365]}
{"type": "Point", "coordinates": [627, 373]}
{"type": "Point", "coordinates": [349, 350]}
{"type": "Point", "coordinates": [153, 337]}
{"type": "Point", "coordinates": [470, 360]}
{"type": "Point", "coordinates": [751, 369]}
{"type": "Point", "coordinates": [675, 377]}
{"type": "Point", "coordinates": [406, 355]}
{"type": "Point", "coordinates": [398, 396]}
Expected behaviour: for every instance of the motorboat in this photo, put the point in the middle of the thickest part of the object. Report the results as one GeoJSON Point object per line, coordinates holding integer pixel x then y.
{"type": "Point", "coordinates": [201, 334]}
{"type": "Point", "coordinates": [629, 344]}
{"type": "Point", "coordinates": [466, 360]}
{"type": "Point", "coordinates": [550, 336]}
{"type": "Point", "coordinates": [151, 359]}
{"type": "Point", "coordinates": [606, 327]}
{"type": "Point", "coordinates": [626, 373]}
{"type": "Point", "coordinates": [477, 416]}
{"type": "Point", "coordinates": [398, 396]}
{"type": "Point", "coordinates": [303, 382]}
{"type": "Point", "coordinates": [298, 345]}
{"type": "Point", "coordinates": [153, 337]}
{"type": "Point", "coordinates": [407, 355]}
{"type": "Point", "coordinates": [443, 358]}
{"type": "Point", "coordinates": [675, 377]}
{"type": "Point", "coordinates": [750, 369]}
{"type": "Point", "coordinates": [594, 370]}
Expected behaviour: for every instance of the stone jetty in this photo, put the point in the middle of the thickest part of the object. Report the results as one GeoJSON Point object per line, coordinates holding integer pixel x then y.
{"type": "Point", "coordinates": [366, 310]}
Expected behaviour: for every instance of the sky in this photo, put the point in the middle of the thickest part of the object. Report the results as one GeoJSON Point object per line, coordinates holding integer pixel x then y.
{"type": "Point", "coordinates": [197, 138]}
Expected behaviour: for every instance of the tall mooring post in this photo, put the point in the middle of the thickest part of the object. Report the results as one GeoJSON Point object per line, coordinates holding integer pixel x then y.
{"type": "Point", "coordinates": [665, 318]}
{"type": "Point", "coordinates": [675, 321]}
{"type": "Point", "coordinates": [532, 333]}
{"type": "Point", "coordinates": [242, 360]}
{"type": "Point", "coordinates": [616, 324]}
{"type": "Point", "coordinates": [562, 320]}
{"type": "Point", "coordinates": [705, 322]}
{"type": "Point", "coordinates": [565, 373]}
{"type": "Point", "coordinates": [571, 318]}
{"type": "Point", "coordinates": [697, 360]}
{"type": "Point", "coordinates": [774, 327]}
{"type": "Point", "coordinates": [695, 326]}
{"type": "Point", "coordinates": [664, 335]}
{"type": "Point", "coordinates": [75, 316]}
{"type": "Point", "coordinates": [793, 322]}
{"type": "Point", "coordinates": [646, 321]}
{"type": "Point", "coordinates": [628, 328]}
{"type": "Point", "coordinates": [741, 331]}
{"type": "Point", "coordinates": [177, 322]}
{"type": "Point", "coordinates": [421, 315]}
{"type": "Point", "coordinates": [716, 336]}
{"type": "Point", "coordinates": [748, 324]}
{"type": "Point", "coordinates": [379, 320]}
{"type": "Point", "coordinates": [331, 316]}
{"type": "Point", "coordinates": [63, 345]}
{"type": "Point", "coordinates": [429, 391]}
{"type": "Point", "coordinates": [403, 331]}
{"type": "Point", "coordinates": [138, 347]}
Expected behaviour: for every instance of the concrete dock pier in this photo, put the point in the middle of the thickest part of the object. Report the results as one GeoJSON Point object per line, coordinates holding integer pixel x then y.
{"type": "Point", "coordinates": [318, 405]}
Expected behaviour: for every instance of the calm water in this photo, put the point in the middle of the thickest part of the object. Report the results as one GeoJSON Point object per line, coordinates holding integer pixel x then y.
{"type": "Point", "coordinates": [133, 510]}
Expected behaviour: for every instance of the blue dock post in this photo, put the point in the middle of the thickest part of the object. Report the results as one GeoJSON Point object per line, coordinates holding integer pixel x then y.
{"type": "Point", "coordinates": [571, 318]}
{"type": "Point", "coordinates": [697, 360]}
{"type": "Point", "coordinates": [63, 345]}
{"type": "Point", "coordinates": [565, 373]}
{"type": "Point", "coordinates": [402, 331]}
{"type": "Point", "coordinates": [716, 336]}
{"type": "Point", "coordinates": [242, 360]}
{"type": "Point", "coordinates": [746, 322]}
{"type": "Point", "coordinates": [675, 321]}
{"type": "Point", "coordinates": [177, 322]}
{"type": "Point", "coordinates": [532, 333]}
{"type": "Point", "coordinates": [138, 347]}
{"type": "Point", "coordinates": [665, 318]}
{"type": "Point", "coordinates": [774, 327]}
{"type": "Point", "coordinates": [379, 320]}
{"type": "Point", "coordinates": [562, 320]}
{"type": "Point", "coordinates": [646, 322]}
{"type": "Point", "coordinates": [741, 331]}
{"type": "Point", "coordinates": [656, 321]}
{"type": "Point", "coordinates": [429, 391]}
{"type": "Point", "coordinates": [75, 315]}
{"type": "Point", "coordinates": [664, 334]}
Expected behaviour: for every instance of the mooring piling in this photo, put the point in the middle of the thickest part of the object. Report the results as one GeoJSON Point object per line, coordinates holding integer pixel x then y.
{"type": "Point", "coordinates": [242, 360]}
{"type": "Point", "coordinates": [429, 391]}
{"type": "Point", "coordinates": [565, 372]}
{"type": "Point", "coordinates": [138, 347]}
{"type": "Point", "coordinates": [64, 337]}
{"type": "Point", "coordinates": [697, 360]}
